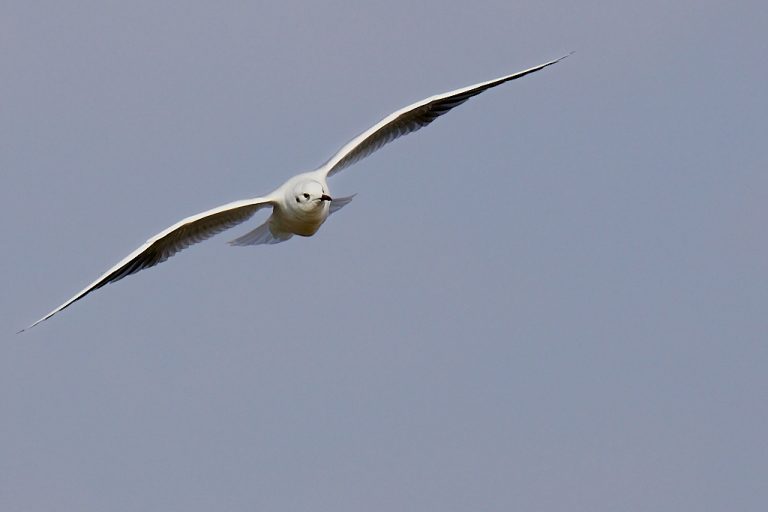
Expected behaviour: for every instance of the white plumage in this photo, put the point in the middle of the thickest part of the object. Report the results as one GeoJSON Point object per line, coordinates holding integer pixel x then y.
{"type": "Point", "coordinates": [301, 204]}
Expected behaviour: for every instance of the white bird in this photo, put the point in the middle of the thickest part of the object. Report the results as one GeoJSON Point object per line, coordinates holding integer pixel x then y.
{"type": "Point", "coordinates": [301, 204]}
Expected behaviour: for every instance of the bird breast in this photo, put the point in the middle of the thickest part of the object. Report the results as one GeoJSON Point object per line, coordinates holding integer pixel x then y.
{"type": "Point", "coordinates": [299, 221]}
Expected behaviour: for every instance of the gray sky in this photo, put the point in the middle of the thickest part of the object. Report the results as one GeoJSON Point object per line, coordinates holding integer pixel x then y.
{"type": "Point", "coordinates": [553, 298]}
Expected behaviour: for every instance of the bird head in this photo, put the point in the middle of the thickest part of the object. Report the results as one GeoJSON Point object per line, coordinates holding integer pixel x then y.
{"type": "Point", "coordinates": [309, 195]}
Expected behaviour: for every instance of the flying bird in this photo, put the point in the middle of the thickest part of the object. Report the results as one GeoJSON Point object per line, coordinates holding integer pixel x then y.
{"type": "Point", "coordinates": [301, 204]}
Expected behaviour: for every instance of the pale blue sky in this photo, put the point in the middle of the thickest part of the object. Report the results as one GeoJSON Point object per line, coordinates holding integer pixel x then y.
{"type": "Point", "coordinates": [554, 298]}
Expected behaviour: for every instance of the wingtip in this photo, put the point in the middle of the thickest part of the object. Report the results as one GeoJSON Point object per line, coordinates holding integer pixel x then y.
{"type": "Point", "coordinates": [46, 317]}
{"type": "Point", "coordinates": [553, 61]}
{"type": "Point", "coordinates": [27, 328]}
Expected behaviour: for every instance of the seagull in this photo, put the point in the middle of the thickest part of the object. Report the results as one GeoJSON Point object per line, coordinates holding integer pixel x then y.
{"type": "Point", "coordinates": [301, 204]}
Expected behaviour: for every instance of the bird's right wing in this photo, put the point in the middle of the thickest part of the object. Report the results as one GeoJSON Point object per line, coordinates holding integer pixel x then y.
{"type": "Point", "coordinates": [165, 244]}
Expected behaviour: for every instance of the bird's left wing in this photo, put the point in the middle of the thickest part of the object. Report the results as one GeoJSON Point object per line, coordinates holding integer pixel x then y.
{"type": "Point", "coordinates": [165, 244]}
{"type": "Point", "coordinates": [412, 118]}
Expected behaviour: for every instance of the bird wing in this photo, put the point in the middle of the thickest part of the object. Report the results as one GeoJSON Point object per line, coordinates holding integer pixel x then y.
{"type": "Point", "coordinates": [412, 118]}
{"type": "Point", "coordinates": [165, 244]}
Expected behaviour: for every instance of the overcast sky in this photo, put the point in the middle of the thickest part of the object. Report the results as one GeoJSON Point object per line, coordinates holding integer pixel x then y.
{"type": "Point", "coordinates": [553, 298]}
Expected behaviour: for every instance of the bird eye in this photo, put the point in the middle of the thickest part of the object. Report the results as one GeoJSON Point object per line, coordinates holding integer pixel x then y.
{"type": "Point", "coordinates": [297, 199]}
{"type": "Point", "coordinates": [306, 196]}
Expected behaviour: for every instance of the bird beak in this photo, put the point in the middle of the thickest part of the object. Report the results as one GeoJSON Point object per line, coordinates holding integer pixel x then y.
{"type": "Point", "coordinates": [325, 197]}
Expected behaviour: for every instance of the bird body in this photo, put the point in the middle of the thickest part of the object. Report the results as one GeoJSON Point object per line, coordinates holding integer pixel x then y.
{"type": "Point", "coordinates": [303, 206]}
{"type": "Point", "coordinates": [300, 205]}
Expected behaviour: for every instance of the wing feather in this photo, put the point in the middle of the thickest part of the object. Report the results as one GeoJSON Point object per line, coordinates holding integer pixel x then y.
{"type": "Point", "coordinates": [412, 118]}
{"type": "Point", "coordinates": [165, 244]}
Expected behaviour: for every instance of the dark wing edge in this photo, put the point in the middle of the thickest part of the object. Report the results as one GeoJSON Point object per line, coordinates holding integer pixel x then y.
{"type": "Point", "coordinates": [412, 118]}
{"type": "Point", "coordinates": [165, 244]}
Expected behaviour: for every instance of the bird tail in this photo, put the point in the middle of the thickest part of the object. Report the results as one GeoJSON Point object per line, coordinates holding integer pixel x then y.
{"type": "Point", "coordinates": [260, 235]}
{"type": "Point", "coordinates": [340, 202]}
